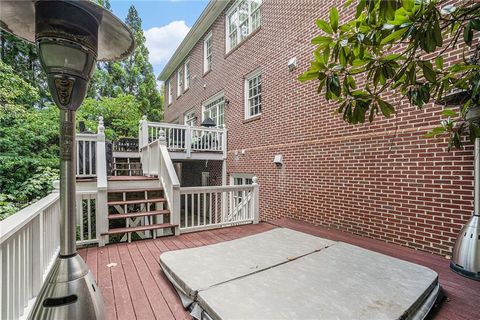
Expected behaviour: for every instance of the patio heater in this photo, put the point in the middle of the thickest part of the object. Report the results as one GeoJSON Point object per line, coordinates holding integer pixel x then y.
{"type": "Point", "coordinates": [70, 37]}
{"type": "Point", "coordinates": [466, 251]}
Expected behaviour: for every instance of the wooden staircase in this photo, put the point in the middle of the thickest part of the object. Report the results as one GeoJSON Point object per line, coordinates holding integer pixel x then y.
{"type": "Point", "coordinates": [138, 213]}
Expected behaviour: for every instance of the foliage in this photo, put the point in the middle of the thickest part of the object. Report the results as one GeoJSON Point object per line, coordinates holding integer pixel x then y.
{"type": "Point", "coordinates": [28, 143]}
{"type": "Point", "coordinates": [120, 115]}
{"type": "Point", "coordinates": [132, 76]}
{"type": "Point", "coordinates": [398, 45]}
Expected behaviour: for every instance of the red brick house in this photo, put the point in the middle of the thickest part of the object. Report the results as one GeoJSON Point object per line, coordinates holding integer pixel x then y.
{"type": "Point", "coordinates": [239, 66]}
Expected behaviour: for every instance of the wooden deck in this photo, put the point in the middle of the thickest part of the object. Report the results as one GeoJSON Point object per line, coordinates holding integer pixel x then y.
{"type": "Point", "coordinates": [134, 286]}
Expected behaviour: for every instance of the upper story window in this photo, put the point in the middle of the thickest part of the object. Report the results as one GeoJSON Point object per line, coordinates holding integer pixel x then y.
{"type": "Point", "coordinates": [168, 89]}
{"type": "Point", "coordinates": [179, 81]}
{"type": "Point", "coordinates": [187, 75]}
{"type": "Point", "coordinates": [190, 118]}
{"type": "Point", "coordinates": [207, 53]}
{"type": "Point", "coordinates": [253, 94]}
{"type": "Point", "coordinates": [214, 109]}
{"type": "Point", "coordinates": [243, 18]}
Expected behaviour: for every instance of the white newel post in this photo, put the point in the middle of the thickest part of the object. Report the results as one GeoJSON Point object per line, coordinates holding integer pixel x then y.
{"type": "Point", "coordinates": [176, 208]}
{"type": "Point", "coordinates": [256, 200]}
{"type": "Point", "coordinates": [101, 212]}
{"type": "Point", "coordinates": [143, 133]}
{"type": "Point", "coordinates": [188, 141]}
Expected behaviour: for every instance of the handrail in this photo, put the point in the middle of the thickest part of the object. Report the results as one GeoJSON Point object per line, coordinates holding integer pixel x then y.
{"type": "Point", "coordinates": [15, 222]}
{"type": "Point", "coordinates": [217, 188]}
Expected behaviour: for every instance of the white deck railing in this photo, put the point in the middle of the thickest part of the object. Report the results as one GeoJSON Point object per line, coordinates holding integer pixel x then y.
{"type": "Point", "coordinates": [86, 152]}
{"type": "Point", "coordinates": [29, 244]}
{"type": "Point", "coordinates": [183, 138]}
{"type": "Point", "coordinates": [218, 206]}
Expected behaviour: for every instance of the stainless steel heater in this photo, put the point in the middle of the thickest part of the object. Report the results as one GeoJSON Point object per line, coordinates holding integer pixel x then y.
{"type": "Point", "coordinates": [466, 252]}
{"type": "Point", "coordinates": [70, 37]}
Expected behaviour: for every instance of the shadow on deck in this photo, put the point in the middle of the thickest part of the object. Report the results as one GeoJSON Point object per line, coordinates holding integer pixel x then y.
{"type": "Point", "coordinates": [134, 286]}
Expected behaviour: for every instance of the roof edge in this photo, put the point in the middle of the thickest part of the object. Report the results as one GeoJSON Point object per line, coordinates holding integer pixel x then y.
{"type": "Point", "coordinates": [203, 23]}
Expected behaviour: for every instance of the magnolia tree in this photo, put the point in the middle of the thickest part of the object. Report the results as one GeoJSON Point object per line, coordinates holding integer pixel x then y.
{"type": "Point", "coordinates": [400, 46]}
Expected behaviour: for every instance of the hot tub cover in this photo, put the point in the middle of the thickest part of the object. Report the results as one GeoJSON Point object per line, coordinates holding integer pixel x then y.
{"type": "Point", "coordinates": [285, 274]}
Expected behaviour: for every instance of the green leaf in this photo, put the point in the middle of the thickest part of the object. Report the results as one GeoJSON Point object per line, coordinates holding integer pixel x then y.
{"type": "Point", "coordinates": [307, 76]}
{"type": "Point", "coordinates": [449, 113]}
{"type": "Point", "coordinates": [468, 33]}
{"type": "Point", "coordinates": [334, 19]}
{"type": "Point", "coordinates": [321, 40]}
{"type": "Point", "coordinates": [439, 62]}
{"type": "Point", "coordinates": [408, 5]}
{"type": "Point", "coordinates": [435, 132]}
{"type": "Point", "coordinates": [324, 26]}
{"type": "Point", "coordinates": [437, 32]}
{"type": "Point", "coordinates": [386, 108]}
{"type": "Point", "coordinates": [394, 36]}
{"type": "Point", "coordinates": [428, 72]}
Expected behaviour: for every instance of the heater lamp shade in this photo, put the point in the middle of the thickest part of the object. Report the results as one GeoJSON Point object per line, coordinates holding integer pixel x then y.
{"type": "Point", "coordinates": [115, 40]}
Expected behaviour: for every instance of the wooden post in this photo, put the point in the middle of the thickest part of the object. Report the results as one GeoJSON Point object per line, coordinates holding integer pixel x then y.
{"type": "Point", "coordinates": [101, 212]}
{"type": "Point", "coordinates": [256, 200]}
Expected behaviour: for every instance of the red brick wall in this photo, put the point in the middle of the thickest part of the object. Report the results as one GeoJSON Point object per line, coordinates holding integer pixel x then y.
{"type": "Point", "coordinates": [385, 180]}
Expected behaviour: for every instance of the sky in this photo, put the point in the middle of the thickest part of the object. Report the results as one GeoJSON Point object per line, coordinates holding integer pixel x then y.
{"type": "Point", "coordinates": [165, 24]}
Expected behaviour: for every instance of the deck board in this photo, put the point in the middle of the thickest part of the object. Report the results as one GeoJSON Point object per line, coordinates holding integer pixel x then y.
{"type": "Point", "coordinates": [105, 282]}
{"type": "Point", "coordinates": [123, 302]}
{"type": "Point", "coordinates": [136, 288]}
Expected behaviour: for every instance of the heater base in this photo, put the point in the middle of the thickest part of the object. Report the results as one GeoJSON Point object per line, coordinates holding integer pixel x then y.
{"type": "Point", "coordinates": [70, 292]}
{"type": "Point", "coordinates": [461, 271]}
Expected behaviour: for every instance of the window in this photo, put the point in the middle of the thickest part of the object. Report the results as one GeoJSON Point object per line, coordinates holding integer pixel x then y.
{"type": "Point", "coordinates": [207, 53]}
{"type": "Point", "coordinates": [243, 18]}
{"type": "Point", "coordinates": [190, 119]}
{"type": "Point", "coordinates": [187, 75]}
{"type": "Point", "coordinates": [213, 108]}
{"type": "Point", "coordinates": [240, 179]}
{"type": "Point", "coordinates": [253, 94]}
{"type": "Point", "coordinates": [179, 81]}
{"type": "Point", "coordinates": [168, 88]}
{"type": "Point", "coordinates": [205, 179]}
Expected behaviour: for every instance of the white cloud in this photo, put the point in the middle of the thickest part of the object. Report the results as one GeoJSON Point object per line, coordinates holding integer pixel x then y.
{"type": "Point", "coordinates": [163, 41]}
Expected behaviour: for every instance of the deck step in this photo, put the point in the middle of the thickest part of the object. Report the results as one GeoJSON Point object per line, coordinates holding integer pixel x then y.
{"type": "Point", "coordinates": [134, 190]}
{"type": "Point", "coordinates": [121, 202]}
{"type": "Point", "coordinates": [141, 228]}
{"type": "Point", "coordinates": [137, 214]}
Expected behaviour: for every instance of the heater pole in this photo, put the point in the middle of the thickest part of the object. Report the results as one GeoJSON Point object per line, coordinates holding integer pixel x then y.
{"type": "Point", "coordinates": [68, 245]}
{"type": "Point", "coordinates": [476, 195]}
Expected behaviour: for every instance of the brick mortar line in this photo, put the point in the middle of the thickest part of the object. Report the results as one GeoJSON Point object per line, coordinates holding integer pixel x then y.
{"type": "Point", "coordinates": [337, 139]}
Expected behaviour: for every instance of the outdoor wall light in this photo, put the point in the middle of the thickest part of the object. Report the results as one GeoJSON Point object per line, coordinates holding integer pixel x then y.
{"type": "Point", "coordinates": [208, 123]}
{"type": "Point", "coordinates": [70, 35]}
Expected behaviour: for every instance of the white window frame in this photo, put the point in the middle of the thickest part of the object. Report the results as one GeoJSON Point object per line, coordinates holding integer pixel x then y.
{"type": "Point", "coordinates": [186, 81]}
{"type": "Point", "coordinates": [210, 100]}
{"type": "Point", "coordinates": [249, 77]}
{"type": "Point", "coordinates": [189, 116]}
{"type": "Point", "coordinates": [168, 89]}
{"type": "Point", "coordinates": [242, 176]}
{"type": "Point", "coordinates": [235, 7]}
{"type": "Point", "coordinates": [207, 58]}
{"type": "Point", "coordinates": [179, 81]}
